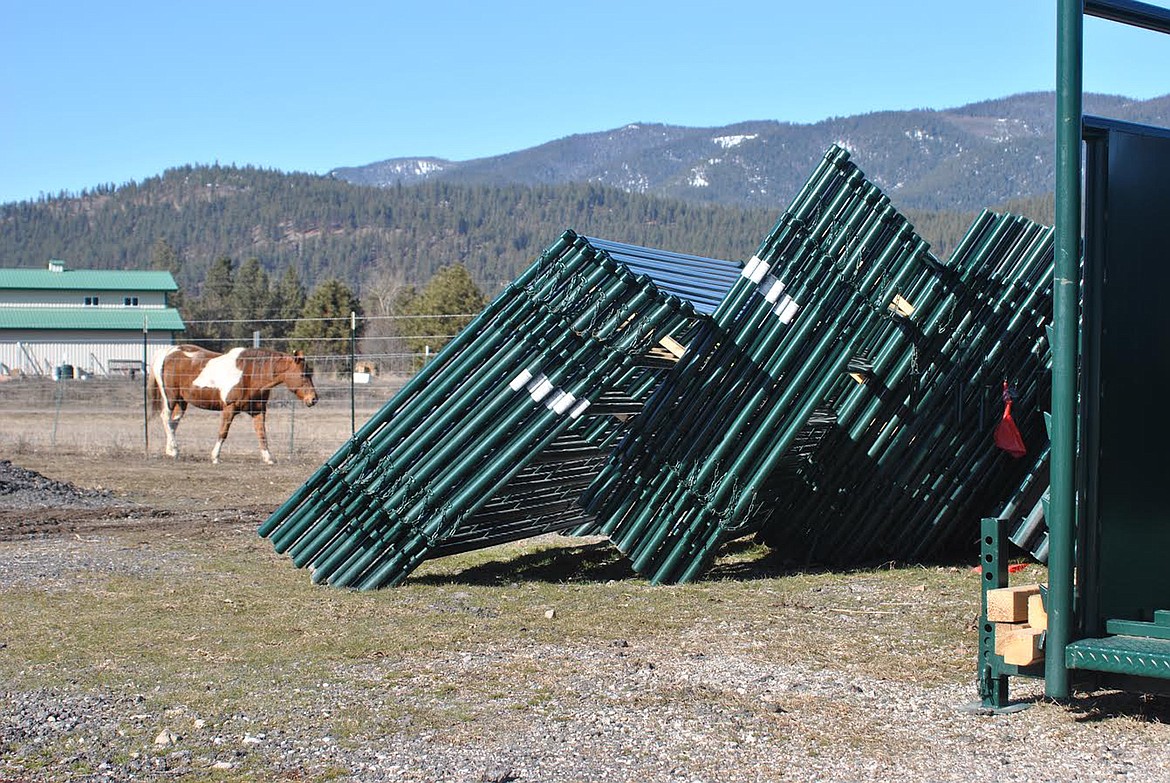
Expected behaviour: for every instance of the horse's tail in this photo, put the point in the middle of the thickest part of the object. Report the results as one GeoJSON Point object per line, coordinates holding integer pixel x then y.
{"type": "Point", "coordinates": [154, 390]}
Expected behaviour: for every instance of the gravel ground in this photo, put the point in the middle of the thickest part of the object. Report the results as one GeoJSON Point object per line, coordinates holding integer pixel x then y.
{"type": "Point", "coordinates": [595, 710]}
{"type": "Point", "coordinates": [26, 489]}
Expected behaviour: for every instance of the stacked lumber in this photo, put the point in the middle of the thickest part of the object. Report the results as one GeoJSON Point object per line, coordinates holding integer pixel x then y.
{"type": "Point", "coordinates": [1020, 621]}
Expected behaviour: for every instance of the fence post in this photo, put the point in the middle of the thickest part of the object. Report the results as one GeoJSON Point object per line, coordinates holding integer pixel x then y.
{"type": "Point", "coordinates": [352, 370]}
{"type": "Point", "coordinates": [145, 387]}
{"type": "Point", "coordinates": [292, 426]}
{"type": "Point", "coordinates": [58, 394]}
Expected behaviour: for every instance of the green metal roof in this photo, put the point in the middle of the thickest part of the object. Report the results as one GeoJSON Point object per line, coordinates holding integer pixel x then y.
{"type": "Point", "coordinates": [87, 280]}
{"type": "Point", "coordinates": [158, 319]}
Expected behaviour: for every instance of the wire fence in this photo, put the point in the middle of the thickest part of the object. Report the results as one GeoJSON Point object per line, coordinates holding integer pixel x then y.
{"type": "Point", "coordinates": [99, 409]}
{"type": "Point", "coordinates": [385, 343]}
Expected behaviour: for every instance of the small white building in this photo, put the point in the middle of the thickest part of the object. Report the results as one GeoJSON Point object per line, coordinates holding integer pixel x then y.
{"type": "Point", "coordinates": [59, 322]}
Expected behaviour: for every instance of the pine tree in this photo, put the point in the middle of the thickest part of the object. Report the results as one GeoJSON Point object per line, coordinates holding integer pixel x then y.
{"type": "Point", "coordinates": [212, 309]}
{"type": "Point", "coordinates": [288, 302]}
{"type": "Point", "coordinates": [324, 327]}
{"type": "Point", "coordinates": [251, 299]}
{"type": "Point", "coordinates": [163, 256]}
{"type": "Point", "coordinates": [450, 294]}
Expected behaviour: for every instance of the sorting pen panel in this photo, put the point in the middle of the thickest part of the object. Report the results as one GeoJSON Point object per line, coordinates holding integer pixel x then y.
{"type": "Point", "coordinates": [1128, 344]}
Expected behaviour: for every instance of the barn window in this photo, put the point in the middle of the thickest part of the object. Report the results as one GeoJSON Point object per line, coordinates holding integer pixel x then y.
{"type": "Point", "coordinates": [130, 301]}
{"type": "Point", "coordinates": [91, 301]}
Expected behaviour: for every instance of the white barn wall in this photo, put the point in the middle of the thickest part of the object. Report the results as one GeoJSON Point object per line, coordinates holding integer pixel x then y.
{"type": "Point", "coordinates": [88, 350]}
{"type": "Point", "coordinates": [70, 298]}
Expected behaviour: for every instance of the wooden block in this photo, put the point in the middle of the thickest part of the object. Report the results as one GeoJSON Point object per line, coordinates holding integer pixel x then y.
{"type": "Point", "coordinates": [1018, 644]}
{"type": "Point", "coordinates": [674, 346]}
{"type": "Point", "coordinates": [1037, 617]}
{"type": "Point", "coordinates": [1010, 604]}
{"type": "Point", "coordinates": [901, 306]}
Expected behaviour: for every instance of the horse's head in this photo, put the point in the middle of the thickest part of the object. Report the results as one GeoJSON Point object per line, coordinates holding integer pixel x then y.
{"type": "Point", "coordinates": [299, 379]}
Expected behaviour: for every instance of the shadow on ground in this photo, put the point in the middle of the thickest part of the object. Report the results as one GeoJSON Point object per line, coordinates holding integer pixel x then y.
{"type": "Point", "coordinates": [1109, 705]}
{"type": "Point", "coordinates": [600, 561]}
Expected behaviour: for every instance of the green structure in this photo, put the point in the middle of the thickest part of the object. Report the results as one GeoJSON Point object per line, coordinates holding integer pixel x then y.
{"type": "Point", "coordinates": [840, 405]}
{"type": "Point", "coordinates": [1108, 592]}
{"type": "Point", "coordinates": [495, 438]}
{"type": "Point", "coordinates": [835, 396]}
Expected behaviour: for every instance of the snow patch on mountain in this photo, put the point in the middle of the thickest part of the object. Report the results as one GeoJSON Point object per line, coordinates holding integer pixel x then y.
{"type": "Point", "coordinates": [727, 142]}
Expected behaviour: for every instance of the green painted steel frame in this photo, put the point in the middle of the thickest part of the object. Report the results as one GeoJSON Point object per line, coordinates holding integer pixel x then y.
{"type": "Point", "coordinates": [993, 672]}
{"type": "Point", "coordinates": [1062, 509]}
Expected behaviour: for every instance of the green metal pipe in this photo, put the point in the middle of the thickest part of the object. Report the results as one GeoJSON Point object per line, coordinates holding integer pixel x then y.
{"type": "Point", "coordinates": [456, 469]}
{"type": "Point", "coordinates": [1062, 502]}
{"type": "Point", "coordinates": [401, 423]}
{"type": "Point", "coordinates": [419, 381]}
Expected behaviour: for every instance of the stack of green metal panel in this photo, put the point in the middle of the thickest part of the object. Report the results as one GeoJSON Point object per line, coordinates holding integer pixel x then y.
{"type": "Point", "coordinates": [493, 440]}
{"type": "Point", "coordinates": [836, 396]}
{"type": "Point", "coordinates": [819, 299]}
{"type": "Point", "coordinates": [912, 465]}
{"type": "Point", "coordinates": [842, 402]}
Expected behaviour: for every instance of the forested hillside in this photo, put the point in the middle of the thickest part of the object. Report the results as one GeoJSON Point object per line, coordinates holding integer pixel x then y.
{"type": "Point", "coordinates": [190, 218]}
{"type": "Point", "coordinates": [325, 228]}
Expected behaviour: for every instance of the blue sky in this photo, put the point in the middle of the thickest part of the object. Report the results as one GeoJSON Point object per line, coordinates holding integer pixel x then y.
{"type": "Point", "coordinates": [94, 93]}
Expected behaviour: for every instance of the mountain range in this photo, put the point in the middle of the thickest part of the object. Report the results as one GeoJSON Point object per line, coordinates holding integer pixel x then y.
{"type": "Point", "coordinates": [964, 158]}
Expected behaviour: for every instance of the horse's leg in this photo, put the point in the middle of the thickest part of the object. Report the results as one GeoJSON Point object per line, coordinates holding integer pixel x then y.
{"type": "Point", "coordinates": [170, 416]}
{"type": "Point", "coordinates": [225, 422]}
{"type": "Point", "coordinates": [262, 436]}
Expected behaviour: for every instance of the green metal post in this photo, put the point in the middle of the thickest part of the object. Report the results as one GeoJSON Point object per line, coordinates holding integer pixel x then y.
{"type": "Point", "coordinates": [352, 371]}
{"type": "Point", "coordinates": [1069, 35]}
{"type": "Point", "coordinates": [145, 390]}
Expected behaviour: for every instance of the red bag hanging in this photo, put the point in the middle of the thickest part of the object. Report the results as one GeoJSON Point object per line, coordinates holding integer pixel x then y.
{"type": "Point", "coordinates": [1007, 435]}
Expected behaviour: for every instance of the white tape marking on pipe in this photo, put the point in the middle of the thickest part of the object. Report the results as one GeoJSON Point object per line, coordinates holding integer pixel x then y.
{"type": "Point", "coordinates": [759, 270]}
{"type": "Point", "coordinates": [772, 288]}
{"type": "Point", "coordinates": [520, 380]}
{"type": "Point", "coordinates": [779, 308]}
{"type": "Point", "coordinates": [551, 402]}
{"type": "Point", "coordinates": [789, 312]}
{"type": "Point", "coordinates": [563, 405]}
{"type": "Point", "coordinates": [750, 267]}
{"type": "Point", "coordinates": [540, 388]}
{"type": "Point", "coordinates": [576, 412]}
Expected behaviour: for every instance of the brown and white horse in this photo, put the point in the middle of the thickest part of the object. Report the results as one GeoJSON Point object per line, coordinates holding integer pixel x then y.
{"type": "Point", "coordinates": [238, 381]}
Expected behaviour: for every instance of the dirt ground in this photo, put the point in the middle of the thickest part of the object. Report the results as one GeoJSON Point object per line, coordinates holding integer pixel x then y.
{"type": "Point", "coordinates": [78, 495]}
{"type": "Point", "coordinates": [149, 634]}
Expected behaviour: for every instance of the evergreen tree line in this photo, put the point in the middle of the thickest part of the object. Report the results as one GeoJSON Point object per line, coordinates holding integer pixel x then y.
{"type": "Point", "coordinates": [233, 302]}
{"type": "Point", "coordinates": [316, 248]}
{"type": "Point", "coordinates": [324, 228]}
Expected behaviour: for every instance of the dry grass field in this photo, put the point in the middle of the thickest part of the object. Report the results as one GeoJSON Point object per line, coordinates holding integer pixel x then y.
{"type": "Point", "coordinates": [151, 635]}
{"type": "Point", "coordinates": [108, 417]}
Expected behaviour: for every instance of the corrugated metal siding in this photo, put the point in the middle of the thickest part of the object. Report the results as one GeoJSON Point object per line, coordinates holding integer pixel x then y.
{"type": "Point", "coordinates": [88, 279]}
{"type": "Point", "coordinates": [30, 353]}
{"type": "Point", "coordinates": [128, 318]}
